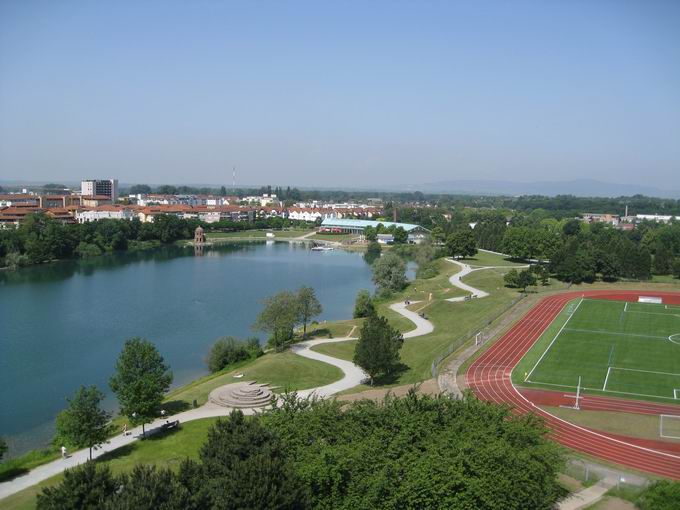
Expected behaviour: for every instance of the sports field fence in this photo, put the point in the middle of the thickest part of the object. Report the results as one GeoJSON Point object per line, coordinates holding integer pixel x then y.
{"type": "Point", "coordinates": [479, 333]}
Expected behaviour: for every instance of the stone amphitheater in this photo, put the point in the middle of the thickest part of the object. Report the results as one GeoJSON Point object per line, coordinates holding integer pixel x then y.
{"type": "Point", "coordinates": [246, 394]}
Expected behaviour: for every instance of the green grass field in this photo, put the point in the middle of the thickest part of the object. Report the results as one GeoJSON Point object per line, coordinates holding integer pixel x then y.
{"type": "Point", "coordinates": [618, 349]}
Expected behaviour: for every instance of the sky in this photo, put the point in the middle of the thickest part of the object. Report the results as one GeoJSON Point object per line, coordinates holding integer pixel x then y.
{"type": "Point", "coordinates": [340, 94]}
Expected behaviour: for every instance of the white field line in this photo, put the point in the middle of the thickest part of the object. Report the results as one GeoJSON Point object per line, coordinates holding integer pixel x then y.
{"type": "Point", "coordinates": [646, 371]}
{"type": "Point", "coordinates": [553, 340]}
{"type": "Point", "coordinates": [661, 418]}
{"type": "Point", "coordinates": [625, 307]}
{"type": "Point", "coordinates": [539, 383]}
{"type": "Point", "coordinates": [617, 333]}
{"type": "Point", "coordinates": [604, 387]}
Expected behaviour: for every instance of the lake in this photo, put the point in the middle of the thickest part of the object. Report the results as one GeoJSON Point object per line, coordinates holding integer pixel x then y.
{"type": "Point", "coordinates": [64, 324]}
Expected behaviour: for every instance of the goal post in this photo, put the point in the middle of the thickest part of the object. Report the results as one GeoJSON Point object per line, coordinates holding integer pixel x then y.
{"type": "Point", "coordinates": [669, 426]}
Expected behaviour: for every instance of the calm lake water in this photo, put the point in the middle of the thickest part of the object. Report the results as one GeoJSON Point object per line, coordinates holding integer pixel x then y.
{"type": "Point", "coordinates": [64, 324]}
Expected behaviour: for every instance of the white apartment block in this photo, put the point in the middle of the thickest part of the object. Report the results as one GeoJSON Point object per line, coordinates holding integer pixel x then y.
{"type": "Point", "coordinates": [100, 187]}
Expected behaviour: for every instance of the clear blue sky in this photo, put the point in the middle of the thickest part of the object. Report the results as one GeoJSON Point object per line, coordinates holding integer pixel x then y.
{"type": "Point", "coordinates": [344, 93]}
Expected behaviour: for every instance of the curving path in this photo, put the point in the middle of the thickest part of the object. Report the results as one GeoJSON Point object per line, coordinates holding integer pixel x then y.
{"type": "Point", "coordinates": [489, 377]}
{"type": "Point", "coordinates": [466, 269]}
{"type": "Point", "coordinates": [352, 376]}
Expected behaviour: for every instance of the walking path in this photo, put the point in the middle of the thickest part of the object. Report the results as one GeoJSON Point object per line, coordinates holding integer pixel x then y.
{"type": "Point", "coordinates": [588, 496]}
{"type": "Point", "coordinates": [352, 376]}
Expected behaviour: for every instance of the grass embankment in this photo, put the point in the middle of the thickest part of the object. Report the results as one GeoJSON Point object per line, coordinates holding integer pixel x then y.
{"type": "Point", "coordinates": [256, 234]}
{"type": "Point", "coordinates": [338, 238]}
{"type": "Point", "coordinates": [485, 259]}
{"type": "Point", "coordinates": [453, 323]}
{"type": "Point", "coordinates": [282, 370]}
{"type": "Point", "coordinates": [335, 329]}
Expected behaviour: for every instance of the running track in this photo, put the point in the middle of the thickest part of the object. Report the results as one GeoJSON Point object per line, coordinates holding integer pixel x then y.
{"type": "Point", "coordinates": [489, 378]}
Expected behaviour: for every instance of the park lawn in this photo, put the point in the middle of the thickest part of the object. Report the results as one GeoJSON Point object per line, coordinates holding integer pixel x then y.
{"type": "Point", "coordinates": [341, 350]}
{"type": "Point", "coordinates": [333, 237]}
{"type": "Point", "coordinates": [483, 258]}
{"type": "Point", "coordinates": [454, 324]}
{"type": "Point", "coordinates": [259, 234]}
{"type": "Point", "coordinates": [283, 370]}
{"type": "Point", "coordinates": [166, 450]}
{"type": "Point", "coordinates": [336, 329]}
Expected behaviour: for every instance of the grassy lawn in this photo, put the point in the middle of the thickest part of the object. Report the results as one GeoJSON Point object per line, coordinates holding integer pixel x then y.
{"type": "Point", "coordinates": [454, 324]}
{"type": "Point", "coordinates": [342, 350]}
{"type": "Point", "coordinates": [166, 450]}
{"type": "Point", "coordinates": [257, 234]}
{"type": "Point", "coordinates": [491, 259]}
{"type": "Point", "coordinates": [336, 329]}
{"type": "Point", "coordinates": [628, 424]}
{"type": "Point", "coordinates": [283, 370]}
{"type": "Point", "coordinates": [333, 237]}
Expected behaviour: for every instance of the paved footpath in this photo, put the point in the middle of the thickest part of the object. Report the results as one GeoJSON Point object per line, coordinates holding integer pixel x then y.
{"type": "Point", "coordinates": [352, 376]}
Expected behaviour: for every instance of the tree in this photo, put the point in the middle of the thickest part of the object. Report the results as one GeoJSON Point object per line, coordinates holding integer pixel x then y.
{"type": "Point", "coordinates": [389, 273]}
{"type": "Point", "coordinates": [676, 268]}
{"type": "Point", "coordinates": [370, 233]}
{"type": "Point", "coordinates": [279, 317]}
{"type": "Point", "coordinates": [86, 487]}
{"type": "Point", "coordinates": [3, 448]}
{"type": "Point", "coordinates": [373, 252]}
{"type": "Point", "coordinates": [377, 350]}
{"type": "Point", "coordinates": [223, 191]}
{"type": "Point", "coordinates": [511, 278]}
{"type": "Point", "coordinates": [147, 487]}
{"type": "Point", "coordinates": [308, 307]}
{"type": "Point", "coordinates": [363, 307]}
{"type": "Point", "coordinates": [661, 495]}
{"type": "Point", "coordinates": [140, 189]}
{"type": "Point", "coordinates": [140, 381]}
{"type": "Point", "coordinates": [461, 244]}
{"type": "Point", "coordinates": [525, 279]}
{"type": "Point", "coordinates": [227, 351]}
{"type": "Point", "coordinates": [245, 465]}
{"type": "Point", "coordinates": [400, 235]}
{"type": "Point", "coordinates": [663, 259]}
{"type": "Point", "coordinates": [83, 424]}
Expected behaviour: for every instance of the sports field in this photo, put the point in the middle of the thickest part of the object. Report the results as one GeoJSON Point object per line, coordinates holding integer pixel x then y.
{"type": "Point", "coordinates": [616, 348]}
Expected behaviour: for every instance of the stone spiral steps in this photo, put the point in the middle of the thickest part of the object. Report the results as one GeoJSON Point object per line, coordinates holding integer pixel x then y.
{"type": "Point", "coordinates": [242, 395]}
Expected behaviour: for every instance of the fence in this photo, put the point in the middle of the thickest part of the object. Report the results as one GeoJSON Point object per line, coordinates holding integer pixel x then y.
{"type": "Point", "coordinates": [473, 332]}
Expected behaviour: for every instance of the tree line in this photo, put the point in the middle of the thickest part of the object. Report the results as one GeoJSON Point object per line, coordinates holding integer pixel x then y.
{"type": "Point", "coordinates": [413, 452]}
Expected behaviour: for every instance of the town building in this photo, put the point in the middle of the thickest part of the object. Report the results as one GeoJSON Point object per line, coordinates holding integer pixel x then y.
{"type": "Point", "coordinates": [416, 233]}
{"type": "Point", "coordinates": [99, 187]}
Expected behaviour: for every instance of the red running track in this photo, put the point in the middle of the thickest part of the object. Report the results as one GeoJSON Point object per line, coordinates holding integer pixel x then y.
{"type": "Point", "coordinates": [489, 378]}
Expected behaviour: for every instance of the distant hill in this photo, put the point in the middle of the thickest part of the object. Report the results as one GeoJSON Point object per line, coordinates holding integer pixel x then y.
{"type": "Point", "coordinates": [577, 187]}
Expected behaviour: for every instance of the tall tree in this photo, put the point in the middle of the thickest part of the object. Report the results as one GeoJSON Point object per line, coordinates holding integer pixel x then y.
{"type": "Point", "coordinates": [308, 307]}
{"type": "Point", "coordinates": [83, 424]}
{"type": "Point", "coordinates": [377, 350]}
{"type": "Point", "coordinates": [140, 381]}
{"type": "Point", "coordinates": [363, 307]}
{"type": "Point", "coordinates": [663, 259]}
{"type": "Point", "coordinates": [278, 317]}
{"type": "Point", "coordinates": [400, 235]}
{"type": "Point", "coordinates": [461, 243]}
{"type": "Point", "coordinates": [373, 251]}
{"type": "Point", "coordinates": [245, 465]}
{"type": "Point", "coordinates": [389, 273]}
{"type": "Point", "coordinates": [85, 487]}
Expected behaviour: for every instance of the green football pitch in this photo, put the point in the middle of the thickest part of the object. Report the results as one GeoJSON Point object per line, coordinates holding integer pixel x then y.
{"type": "Point", "coordinates": [615, 348]}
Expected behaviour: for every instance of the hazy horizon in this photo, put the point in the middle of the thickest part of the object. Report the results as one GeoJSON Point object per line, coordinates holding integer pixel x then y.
{"type": "Point", "coordinates": [343, 95]}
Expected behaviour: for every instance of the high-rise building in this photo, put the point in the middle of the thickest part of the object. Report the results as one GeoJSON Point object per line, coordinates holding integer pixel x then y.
{"type": "Point", "coordinates": [99, 187]}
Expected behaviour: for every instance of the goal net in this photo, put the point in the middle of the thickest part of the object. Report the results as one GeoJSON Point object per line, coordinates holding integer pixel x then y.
{"type": "Point", "coordinates": [669, 426]}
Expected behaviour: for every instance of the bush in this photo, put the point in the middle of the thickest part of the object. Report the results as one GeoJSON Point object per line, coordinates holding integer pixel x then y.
{"type": "Point", "coordinates": [662, 495]}
{"type": "Point", "coordinates": [363, 307]}
{"type": "Point", "coordinates": [229, 350]}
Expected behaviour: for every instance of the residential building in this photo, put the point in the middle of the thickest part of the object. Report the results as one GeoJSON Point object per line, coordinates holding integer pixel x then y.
{"type": "Point", "coordinates": [99, 187]}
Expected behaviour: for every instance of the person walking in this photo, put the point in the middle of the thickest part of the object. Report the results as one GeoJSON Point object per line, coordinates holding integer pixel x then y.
{"type": "Point", "coordinates": [125, 429]}
{"type": "Point", "coordinates": [63, 452]}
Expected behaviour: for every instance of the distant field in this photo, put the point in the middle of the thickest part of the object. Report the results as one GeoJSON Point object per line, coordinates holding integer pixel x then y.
{"type": "Point", "coordinates": [619, 349]}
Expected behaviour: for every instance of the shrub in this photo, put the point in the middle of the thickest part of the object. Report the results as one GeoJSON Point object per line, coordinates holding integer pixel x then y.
{"type": "Point", "coordinates": [229, 350]}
